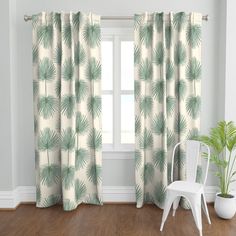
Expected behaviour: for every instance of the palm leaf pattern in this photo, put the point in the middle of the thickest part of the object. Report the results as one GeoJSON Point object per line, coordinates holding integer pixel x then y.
{"type": "Point", "coordinates": [77, 20]}
{"type": "Point", "coordinates": [159, 54]}
{"type": "Point", "coordinates": [35, 88]}
{"type": "Point", "coordinates": [145, 70]}
{"type": "Point", "coordinates": [79, 56]}
{"type": "Point", "coordinates": [68, 70]}
{"type": "Point", "coordinates": [158, 90]}
{"type": "Point", "coordinates": [68, 176]}
{"type": "Point", "coordinates": [68, 105]}
{"type": "Point", "coordinates": [94, 105]}
{"type": "Point", "coordinates": [136, 54]}
{"type": "Point", "coordinates": [170, 138]}
{"type": "Point", "coordinates": [179, 157]}
{"type": "Point", "coordinates": [180, 89]}
{"type": "Point", "coordinates": [80, 190]}
{"type": "Point", "coordinates": [46, 70]}
{"type": "Point", "coordinates": [180, 124]}
{"type": "Point", "coordinates": [92, 34]}
{"type": "Point", "coordinates": [148, 173]}
{"type": "Point", "coordinates": [94, 173]}
{"type": "Point", "coordinates": [58, 54]}
{"type": "Point", "coordinates": [67, 34]}
{"type": "Point", "coordinates": [169, 69]}
{"type": "Point", "coordinates": [137, 21]}
{"type": "Point", "coordinates": [146, 33]}
{"type": "Point", "coordinates": [138, 193]}
{"type": "Point", "coordinates": [180, 53]}
{"type": "Point", "coordinates": [146, 140]}
{"type": "Point", "coordinates": [146, 105]}
{"type": "Point", "coordinates": [179, 20]}
{"type": "Point", "coordinates": [137, 125]}
{"type": "Point", "coordinates": [159, 124]}
{"type": "Point", "coordinates": [81, 90]}
{"type": "Point", "coordinates": [193, 105]}
{"type": "Point", "coordinates": [45, 35]}
{"type": "Point", "coordinates": [160, 193]}
{"type": "Point", "coordinates": [57, 21]}
{"type": "Point", "coordinates": [93, 71]}
{"type": "Point", "coordinates": [193, 70]}
{"type": "Point", "coordinates": [68, 139]}
{"type": "Point", "coordinates": [81, 158]}
{"type": "Point", "coordinates": [47, 106]}
{"type": "Point", "coordinates": [82, 123]}
{"type": "Point", "coordinates": [68, 205]}
{"type": "Point", "coordinates": [159, 159]}
{"type": "Point", "coordinates": [51, 200]}
{"type": "Point", "coordinates": [35, 53]}
{"type": "Point", "coordinates": [136, 89]}
{"type": "Point", "coordinates": [58, 89]}
{"type": "Point", "coordinates": [95, 140]}
{"type": "Point", "coordinates": [50, 175]}
{"type": "Point", "coordinates": [48, 140]}
{"type": "Point", "coordinates": [170, 105]}
{"type": "Point", "coordinates": [158, 18]}
{"type": "Point", "coordinates": [138, 159]}
{"type": "Point", "coordinates": [168, 35]}
{"type": "Point", "coordinates": [193, 134]}
{"type": "Point", "coordinates": [193, 35]}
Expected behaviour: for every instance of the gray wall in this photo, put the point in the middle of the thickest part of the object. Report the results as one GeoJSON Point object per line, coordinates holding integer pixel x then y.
{"type": "Point", "coordinates": [17, 146]}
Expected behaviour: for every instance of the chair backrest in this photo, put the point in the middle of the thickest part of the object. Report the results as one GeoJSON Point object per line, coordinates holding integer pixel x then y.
{"type": "Point", "coordinates": [193, 149]}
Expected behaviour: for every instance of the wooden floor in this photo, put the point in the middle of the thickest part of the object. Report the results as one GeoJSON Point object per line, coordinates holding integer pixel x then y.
{"type": "Point", "coordinates": [107, 220]}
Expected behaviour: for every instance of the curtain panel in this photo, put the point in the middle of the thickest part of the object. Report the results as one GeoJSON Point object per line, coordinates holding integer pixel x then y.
{"type": "Point", "coordinates": [67, 107]}
{"type": "Point", "coordinates": [167, 57]}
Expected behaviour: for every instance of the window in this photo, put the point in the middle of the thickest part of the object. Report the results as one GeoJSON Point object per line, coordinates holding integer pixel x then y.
{"type": "Point", "coordinates": [117, 50]}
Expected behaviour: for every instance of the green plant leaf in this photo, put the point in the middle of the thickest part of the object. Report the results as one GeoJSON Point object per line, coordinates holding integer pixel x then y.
{"type": "Point", "coordinates": [169, 70]}
{"type": "Point", "coordinates": [81, 90]}
{"type": "Point", "coordinates": [67, 35]}
{"type": "Point", "coordinates": [46, 70]}
{"type": "Point", "coordinates": [81, 158]}
{"type": "Point", "coordinates": [79, 55]}
{"type": "Point", "coordinates": [47, 106]}
{"type": "Point", "coordinates": [160, 193]}
{"type": "Point", "coordinates": [82, 123]}
{"type": "Point", "coordinates": [170, 105]}
{"type": "Point", "coordinates": [158, 90]}
{"type": "Point", "coordinates": [48, 140]}
{"type": "Point", "coordinates": [68, 105]}
{"type": "Point", "coordinates": [146, 34]}
{"type": "Point", "coordinates": [180, 124]}
{"type": "Point", "coordinates": [94, 173]}
{"type": "Point", "coordinates": [68, 70]}
{"type": "Point", "coordinates": [159, 54]}
{"type": "Point", "coordinates": [159, 124]}
{"type": "Point", "coordinates": [80, 190]}
{"type": "Point", "coordinates": [148, 173]}
{"type": "Point", "coordinates": [50, 175]}
{"type": "Point", "coordinates": [193, 35]}
{"type": "Point", "coordinates": [45, 35]}
{"type": "Point", "coordinates": [94, 140]}
{"type": "Point", "coordinates": [145, 70]}
{"type": "Point", "coordinates": [180, 54]}
{"type": "Point", "coordinates": [93, 71]}
{"type": "Point", "coordinates": [94, 105]}
{"type": "Point", "coordinates": [68, 176]}
{"type": "Point", "coordinates": [92, 35]}
{"type": "Point", "coordinates": [180, 89]}
{"type": "Point", "coordinates": [193, 105]}
{"type": "Point", "coordinates": [159, 159]}
{"type": "Point", "coordinates": [193, 70]}
{"type": "Point", "coordinates": [68, 139]}
{"type": "Point", "coordinates": [146, 139]}
{"type": "Point", "coordinates": [179, 20]}
{"type": "Point", "coordinates": [145, 105]}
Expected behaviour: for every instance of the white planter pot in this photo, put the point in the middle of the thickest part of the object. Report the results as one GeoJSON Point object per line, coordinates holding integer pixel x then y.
{"type": "Point", "coordinates": [225, 207]}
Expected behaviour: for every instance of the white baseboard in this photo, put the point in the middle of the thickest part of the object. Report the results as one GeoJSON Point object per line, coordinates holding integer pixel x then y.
{"type": "Point", "coordinates": [11, 199]}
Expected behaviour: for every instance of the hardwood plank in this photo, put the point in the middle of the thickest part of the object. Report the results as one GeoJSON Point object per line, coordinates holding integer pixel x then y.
{"type": "Point", "coordinates": [107, 220]}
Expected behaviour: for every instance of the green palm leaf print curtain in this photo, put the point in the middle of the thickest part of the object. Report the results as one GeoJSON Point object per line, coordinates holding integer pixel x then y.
{"type": "Point", "coordinates": [67, 107]}
{"type": "Point", "coordinates": [167, 56]}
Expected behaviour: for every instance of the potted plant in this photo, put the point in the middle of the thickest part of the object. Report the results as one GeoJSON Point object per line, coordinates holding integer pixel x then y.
{"type": "Point", "coordinates": [222, 141]}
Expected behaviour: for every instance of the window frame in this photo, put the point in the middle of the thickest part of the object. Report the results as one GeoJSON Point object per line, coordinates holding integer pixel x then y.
{"type": "Point", "coordinates": [117, 35]}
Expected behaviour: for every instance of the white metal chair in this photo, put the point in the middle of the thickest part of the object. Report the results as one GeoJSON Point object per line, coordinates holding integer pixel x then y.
{"type": "Point", "coordinates": [189, 189]}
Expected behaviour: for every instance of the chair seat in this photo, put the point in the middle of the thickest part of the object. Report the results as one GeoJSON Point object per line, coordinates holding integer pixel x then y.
{"type": "Point", "coordinates": [185, 187]}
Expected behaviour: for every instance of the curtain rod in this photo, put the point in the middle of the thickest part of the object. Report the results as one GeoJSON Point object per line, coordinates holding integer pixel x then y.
{"type": "Point", "coordinates": [28, 18]}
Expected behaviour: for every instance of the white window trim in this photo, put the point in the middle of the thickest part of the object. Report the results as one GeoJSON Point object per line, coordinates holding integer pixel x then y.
{"type": "Point", "coordinates": [116, 35]}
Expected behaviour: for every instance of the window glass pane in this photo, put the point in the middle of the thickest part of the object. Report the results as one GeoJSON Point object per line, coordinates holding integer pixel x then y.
{"type": "Point", "coordinates": [107, 119]}
{"type": "Point", "coordinates": [107, 64]}
{"type": "Point", "coordinates": [127, 65]}
{"type": "Point", "coordinates": [127, 119]}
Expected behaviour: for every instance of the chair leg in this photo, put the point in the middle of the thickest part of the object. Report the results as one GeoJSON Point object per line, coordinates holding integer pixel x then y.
{"type": "Point", "coordinates": [175, 205]}
{"type": "Point", "coordinates": [205, 209]}
{"type": "Point", "coordinates": [196, 210]}
{"type": "Point", "coordinates": [169, 200]}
